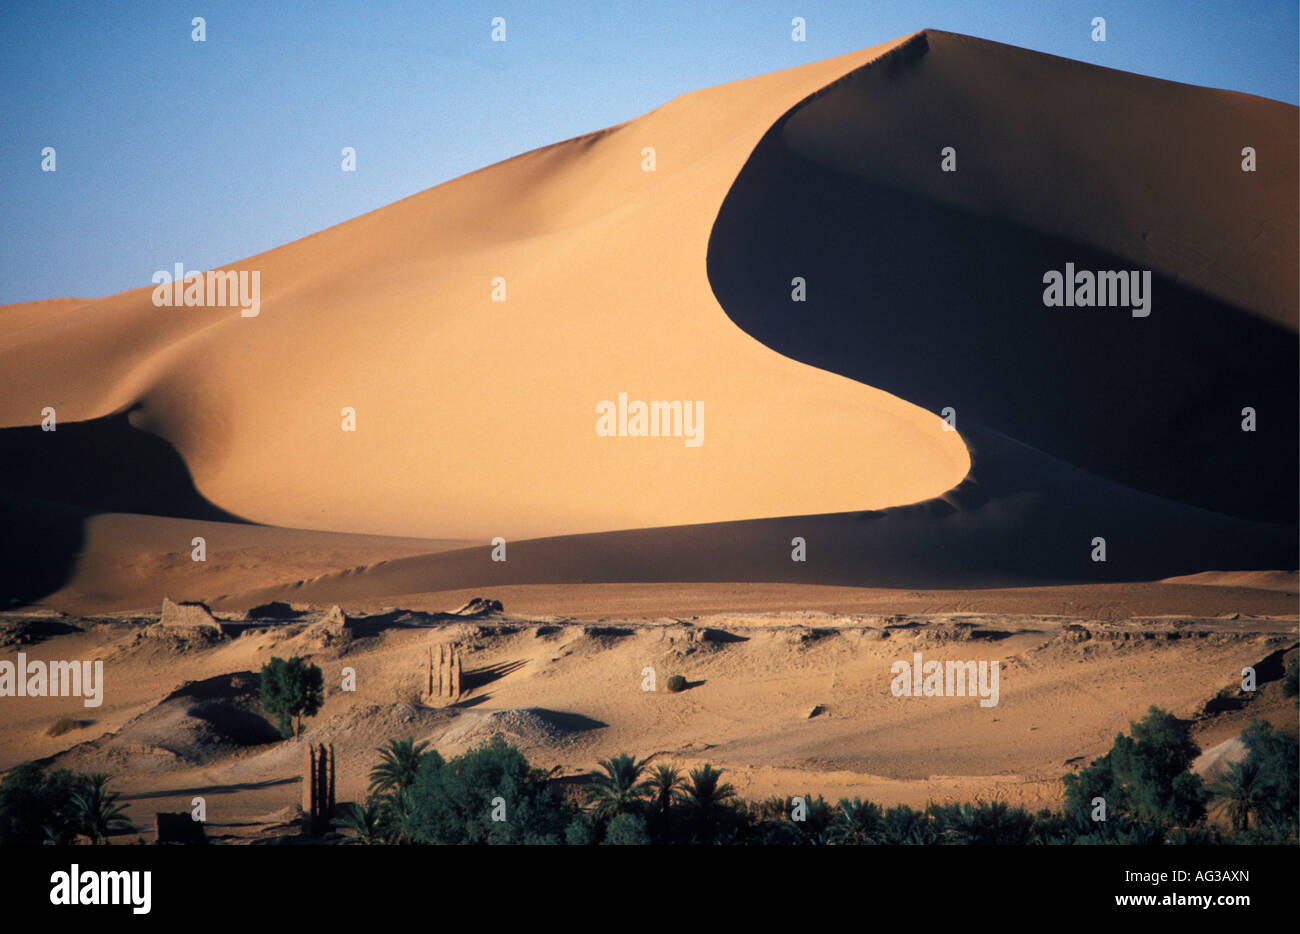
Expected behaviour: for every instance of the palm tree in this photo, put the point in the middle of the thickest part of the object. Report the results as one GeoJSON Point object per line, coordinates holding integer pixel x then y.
{"type": "Point", "coordinates": [365, 821]}
{"type": "Point", "coordinates": [391, 782]}
{"type": "Point", "coordinates": [665, 787]}
{"type": "Point", "coordinates": [859, 822]}
{"type": "Point", "coordinates": [903, 826]}
{"type": "Point", "coordinates": [399, 763]}
{"type": "Point", "coordinates": [620, 790]}
{"type": "Point", "coordinates": [96, 810]}
{"type": "Point", "coordinates": [709, 799]}
{"type": "Point", "coordinates": [58, 835]}
{"type": "Point", "coordinates": [1241, 789]}
{"type": "Point", "coordinates": [705, 790]}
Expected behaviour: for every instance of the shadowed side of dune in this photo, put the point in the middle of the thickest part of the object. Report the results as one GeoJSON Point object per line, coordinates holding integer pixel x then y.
{"type": "Point", "coordinates": [52, 482]}
{"type": "Point", "coordinates": [943, 306]}
{"type": "Point", "coordinates": [944, 309]}
{"type": "Point", "coordinates": [103, 465]}
{"type": "Point", "coordinates": [39, 543]}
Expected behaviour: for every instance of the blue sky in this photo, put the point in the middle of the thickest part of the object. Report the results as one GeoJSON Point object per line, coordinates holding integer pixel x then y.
{"type": "Point", "coordinates": [171, 150]}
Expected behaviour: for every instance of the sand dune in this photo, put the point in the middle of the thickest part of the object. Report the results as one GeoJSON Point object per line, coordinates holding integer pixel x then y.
{"type": "Point", "coordinates": [477, 418]}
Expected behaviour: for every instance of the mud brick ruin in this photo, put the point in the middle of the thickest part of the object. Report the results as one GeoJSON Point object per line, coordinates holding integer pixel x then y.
{"type": "Point", "coordinates": [318, 789]}
{"type": "Point", "coordinates": [442, 675]}
{"type": "Point", "coordinates": [177, 828]}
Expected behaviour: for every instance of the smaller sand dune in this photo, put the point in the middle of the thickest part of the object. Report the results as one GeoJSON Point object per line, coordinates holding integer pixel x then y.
{"type": "Point", "coordinates": [527, 728]}
{"type": "Point", "coordinates": [196, 724]}
{"type": "Point", "coordinates": [1212, 764]}
{"type": "Point", "coordinates": [1284, 581]}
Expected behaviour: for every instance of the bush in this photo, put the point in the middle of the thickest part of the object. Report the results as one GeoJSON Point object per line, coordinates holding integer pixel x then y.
{"type": "Point", "coordinates": [290, 691]}
{"type": "Point", "coordinates": [1145, 776]}
{"type": "Point", "coordinates": [456, 802]}
{"type": "Point", "coordinates": [1272, 757]}
{"type": "Point", "coordinates": [56, 807]}
{"type": "Point", "coordinates": [37, 806]}
{"type": "Point", "coordinates": [676, 684]}
{"type": "Point", "coordinates": [65, 725]}
{"type": "Point", "coordinates": [1291, 681]}
{"type": "Point", "coordinates": [627, 830]}
{"type": "Point", "coordinates": [96, 808]}
{"type": "Point", "coordinates": [580, 832]}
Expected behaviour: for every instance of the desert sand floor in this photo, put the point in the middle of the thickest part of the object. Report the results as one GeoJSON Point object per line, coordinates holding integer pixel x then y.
{"type": "Point", "coordinates": [568, 689]}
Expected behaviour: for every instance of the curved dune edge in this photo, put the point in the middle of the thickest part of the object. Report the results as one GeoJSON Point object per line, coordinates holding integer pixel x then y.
{"type": "Point", "coordinates": [929, 284]}
{"type": "Point", "coordinates": [1032, 526]}
{"type": "Point", "coordinates": [477, 418]}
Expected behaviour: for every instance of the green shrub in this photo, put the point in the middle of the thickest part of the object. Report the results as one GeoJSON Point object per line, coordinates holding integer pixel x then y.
{"type": "Point", "coordinates": [290, 691]}
{"type": "Point", "coordinates": [37, 806]}
{"type": "Point", "coordinates": [857, 822]}
{"type": "Point", "coordinates": [1271, 761]}
{"type": "Point", "coordinates": [676, 684]}
{"type": "Point", "coordinates": [984, 824]}
{"type": "Point", "coordinates": [1145, 776]}
{"type": "Point", "coordinates": [580, 832]}
{"type": "Point", "coordinates": [627, 830]}
{"type": "Point", "coordinates": [457, 802]}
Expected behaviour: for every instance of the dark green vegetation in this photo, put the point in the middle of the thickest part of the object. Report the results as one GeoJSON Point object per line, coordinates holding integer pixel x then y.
{"type": "Point", "coordinates": [491, 795]}
{"type": "Point", "coordinates": [57, 807]}
{"type": "Point", "coordinates": [290, 691]}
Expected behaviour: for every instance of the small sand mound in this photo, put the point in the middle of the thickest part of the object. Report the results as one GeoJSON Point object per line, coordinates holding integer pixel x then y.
{"type": "Point", "coordinates": [198, 723]}
{"type": "Point", "coordinates": [370, 725]}
{"type": "Point", "coordinates": [1212, 765]}
{"type": "Point", "coordinates": [524, 727]}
